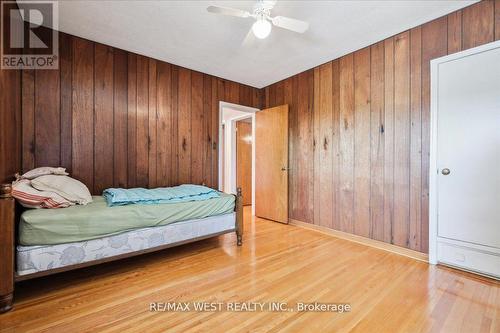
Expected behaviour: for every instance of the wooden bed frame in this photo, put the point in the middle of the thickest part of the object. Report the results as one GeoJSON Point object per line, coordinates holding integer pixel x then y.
{"type": "Point", "coordinates": [8, 224]}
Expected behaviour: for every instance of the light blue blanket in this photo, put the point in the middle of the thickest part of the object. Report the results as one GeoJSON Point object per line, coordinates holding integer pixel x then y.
{"type": "Point", "coordinates": [182, 193]}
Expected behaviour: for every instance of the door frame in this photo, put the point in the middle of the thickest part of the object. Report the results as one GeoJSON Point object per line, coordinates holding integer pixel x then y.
{"type": "Point", "coordinates": [433, 161]}
{"type": "Point", "coordinates": [231, 126]}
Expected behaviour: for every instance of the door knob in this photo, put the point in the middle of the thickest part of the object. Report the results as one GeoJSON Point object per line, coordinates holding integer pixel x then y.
{"type": "Point", "coordinates": [445, 171]}
{"type": "Point", "coordinates": [285, 169]}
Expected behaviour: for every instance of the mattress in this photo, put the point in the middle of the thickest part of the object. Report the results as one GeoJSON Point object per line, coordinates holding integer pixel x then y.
{"type": "Point", "coordinates": [97, 220]}
{"type": "Point", "coordinates": [33, 259]}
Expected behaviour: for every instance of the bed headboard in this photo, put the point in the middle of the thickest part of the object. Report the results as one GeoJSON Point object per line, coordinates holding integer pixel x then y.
{"type": "Point", "coordinates": [7, 239]}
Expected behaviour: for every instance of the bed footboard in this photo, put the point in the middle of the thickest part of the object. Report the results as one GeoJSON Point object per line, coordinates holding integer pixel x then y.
{"type": "Point", "coordinates": [239, 217]}
{"type": "Point", "coordinates": [7, 226]}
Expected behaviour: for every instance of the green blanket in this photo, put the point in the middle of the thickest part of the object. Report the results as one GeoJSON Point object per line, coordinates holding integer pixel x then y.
{"type": "Point", "coordinates": [96, 220]}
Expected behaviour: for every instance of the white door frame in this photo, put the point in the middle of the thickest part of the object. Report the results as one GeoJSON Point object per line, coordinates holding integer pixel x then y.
{"type": "Point", "coordinates": [251, 113]}
{"type": "Point", "coordinates": [433, 162]}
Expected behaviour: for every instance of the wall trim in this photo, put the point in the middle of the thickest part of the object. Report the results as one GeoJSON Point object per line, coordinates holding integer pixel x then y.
{"type": "Point", "coordinates": [363, 240]}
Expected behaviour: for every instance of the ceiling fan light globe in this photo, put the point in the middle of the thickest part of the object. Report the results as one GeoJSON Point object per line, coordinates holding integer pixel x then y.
{"type": "Point", "coordinates": [261, 28]}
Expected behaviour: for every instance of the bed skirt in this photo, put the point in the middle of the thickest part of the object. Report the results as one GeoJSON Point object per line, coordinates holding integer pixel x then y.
{"type": "Point", "coordinates": [34, 259]}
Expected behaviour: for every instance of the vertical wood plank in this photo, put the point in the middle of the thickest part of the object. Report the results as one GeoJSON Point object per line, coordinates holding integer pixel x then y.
{"type": "Point", "coordinates": [142, 122]}
{"type": "Point", "coordinates": [215, 133]}
{"type": "Point", "coordinates": [267, 98]}
{"type": "Point", "coordinates": [362, 142]}
{"type": "Point", "coordinates": [175, 125]}
{"type": "Point", "coordinates": [232, 92]}
{"type": "Point", "coordinates": [65, 65]}
{"type": "Point", "coordinates": [10, 124]}
{"type": "Point", "coordinates": [83, 111]}
{"type": "Point", "coordinates": [402, 139]}
{"type": "Point", "coordinates": [308, 143]}
{"type": "Point", "coordinates": [245, 95]}
{"type": "Point", "coordinates": [207, 131]}
{"type": "Point", "coordinates": [434, 45]}
{"type": "Point", "coordinates": [164, 134]}
{"type": "Point", "coordinates": [184, 126]}
{"type": "Point", "coordinates": [152, 121]}
{"type": "Point", "coordinates": [280, 93]}
{"type": "Point", "coordinates": [28, 114]}
{"type": "Point", "coordinates": [388, 140]}
{"type": "Point", "coordinates": [47, 118]}
{"type": "Point", "coordinates": [455, 32]}
{"type": "Point", "coordinates": [132, 120]}
{"type": "Point", "coordinates": [478, 24]}
{"type": "Point", "coordinates": [336, 144]}
{"type": "Point", "coordinates": [272, 96]}
{"type": "Point", "coordinates": [316, 146]}
{"type": "Point", "coordinates": [103, 118]}
{"type": "Point", "coordinates": [377, 142]}
{"type": "Point", "coordinates": [415, 235]}
{"type": "Point", "coordinates": [258, 96]}
{"type": "Point", "coordinates": [120, 115]}
{"type": "Point", "coordinates": [325, 146]}
{"type": "Point", "coordinates": [12, 142]}
{"type": "Point", "coordinates": [197, 128]}
{"type": "Point", "coordinates": [221, 88]}
{"type": "Point", "coordinates": [11, 146]}
{"type": "Point", "coordinates": [288, 98]}
{"type": "Point", "coordinates": [47, 115]}
{"type": "Point", "coordinates": [346, 143]}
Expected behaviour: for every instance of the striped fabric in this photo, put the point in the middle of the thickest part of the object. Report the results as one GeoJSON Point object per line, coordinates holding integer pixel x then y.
{"type": "Point", "coordinates": [30, 197]}
{"type": "Point", "coordinates": [36, 201]}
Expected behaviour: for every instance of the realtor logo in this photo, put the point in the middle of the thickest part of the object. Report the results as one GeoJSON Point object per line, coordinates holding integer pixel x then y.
{"type": "Point", "coordinates": [29, 35]}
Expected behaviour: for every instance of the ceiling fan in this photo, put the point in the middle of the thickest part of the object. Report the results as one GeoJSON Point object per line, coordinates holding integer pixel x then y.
{"type": "Point", "coordinates": [262, 15]}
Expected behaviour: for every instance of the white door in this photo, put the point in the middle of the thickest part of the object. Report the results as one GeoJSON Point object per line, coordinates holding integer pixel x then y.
{"type": "Point", "coordinates": [469, 146]}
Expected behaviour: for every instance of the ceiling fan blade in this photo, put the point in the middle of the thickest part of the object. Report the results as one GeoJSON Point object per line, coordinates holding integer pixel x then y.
{"type": "Point", "coordinates": [228, 11]}
{"type": "Point", "coordinates": [290, 24]}
{"type": "Point", "coordinates": [269, 3]}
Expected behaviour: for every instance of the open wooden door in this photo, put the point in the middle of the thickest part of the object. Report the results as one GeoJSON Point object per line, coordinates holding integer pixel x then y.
{"type": "Point", "coordinates": [271, 164]}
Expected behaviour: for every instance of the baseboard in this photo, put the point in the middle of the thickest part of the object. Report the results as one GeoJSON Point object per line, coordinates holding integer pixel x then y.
{"type": "Point", "coordinates": [363, 240]}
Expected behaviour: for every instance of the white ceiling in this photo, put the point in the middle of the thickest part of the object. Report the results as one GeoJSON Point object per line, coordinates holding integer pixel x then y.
{"type": "Point", "coordinates": [185, 34]}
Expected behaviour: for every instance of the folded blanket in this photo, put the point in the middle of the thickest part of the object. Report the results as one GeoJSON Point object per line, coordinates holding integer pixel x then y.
{"type": "Point", "coordinates": [182, 193]}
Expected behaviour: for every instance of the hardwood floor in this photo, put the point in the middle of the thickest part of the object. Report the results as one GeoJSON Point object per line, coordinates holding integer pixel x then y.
{"type": "Point", "coordinates": [387, 292]}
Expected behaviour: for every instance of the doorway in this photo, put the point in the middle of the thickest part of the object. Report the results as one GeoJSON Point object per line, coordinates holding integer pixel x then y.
{"type": "Point", "coordinates": [269, 159]}
{"type": "Point", "coordinates": [237, 151]}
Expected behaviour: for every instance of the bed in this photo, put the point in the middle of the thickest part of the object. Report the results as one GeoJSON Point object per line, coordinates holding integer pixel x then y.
{"type": "Point", "coordinates": [40, 242]}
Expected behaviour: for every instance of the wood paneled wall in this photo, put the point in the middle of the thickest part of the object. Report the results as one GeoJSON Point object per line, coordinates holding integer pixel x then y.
{"type": "Point", "coordinates": [115, 118]}
{"type": "Point", "coordinates": [359, 130]}
{"type": "Point", "coordinates": [10, 124]}
{"type": "Point", "coordinates": [359, 125]}
{"type": "Point", "coordinates": [10, 120]}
